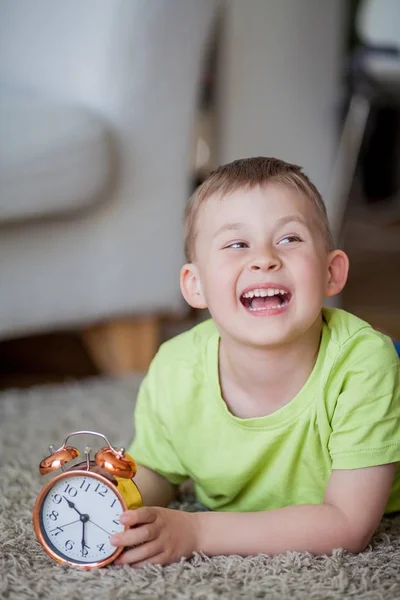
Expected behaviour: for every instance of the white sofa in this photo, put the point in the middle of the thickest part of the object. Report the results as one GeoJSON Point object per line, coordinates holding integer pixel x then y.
{"type": "Point", "coordinates": [97, 105]}
{"type": "Point", "coordinates": [106, 91]}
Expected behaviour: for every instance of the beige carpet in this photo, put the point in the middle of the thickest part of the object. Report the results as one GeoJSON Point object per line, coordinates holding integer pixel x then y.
{"type": "Point", "coordinates": [34, 418]}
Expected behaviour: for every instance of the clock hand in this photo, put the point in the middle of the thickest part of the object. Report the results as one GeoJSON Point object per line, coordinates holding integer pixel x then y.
{"type": "Point", "coordinates": [83, 516]}
{"type": "Point", "coordinates": [93, 523]}
{"type": "Point", "coordinates": [72, 505]}
{"type": "Point", "coordinates": [66, 525]}
{"type": "Point", "coordinates": [83, 537]}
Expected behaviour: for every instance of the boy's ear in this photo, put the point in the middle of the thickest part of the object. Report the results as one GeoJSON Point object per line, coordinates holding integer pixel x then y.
{"type": "Point", "coordinates": [191, 286]}
{"type": "Point", "coordinates": [338, 269]}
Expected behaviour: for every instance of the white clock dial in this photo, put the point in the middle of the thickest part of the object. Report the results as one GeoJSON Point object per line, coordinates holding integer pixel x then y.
{"type": "Point", "coordinates": [78, 516]}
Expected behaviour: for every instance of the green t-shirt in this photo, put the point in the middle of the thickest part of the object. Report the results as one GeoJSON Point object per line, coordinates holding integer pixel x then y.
{"type": "Point", "coordinates": [346, 416]}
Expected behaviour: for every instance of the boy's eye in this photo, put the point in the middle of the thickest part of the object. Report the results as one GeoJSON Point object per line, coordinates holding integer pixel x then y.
{"type": "Point", "coordinates": [289, 239]}
{"type": "Point", "coordinates": [236, 245]}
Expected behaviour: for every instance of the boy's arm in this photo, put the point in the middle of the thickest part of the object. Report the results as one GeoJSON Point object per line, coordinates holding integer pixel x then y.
{"type": "Point", "coordinates": [347, 518]}
{"type": "Point", "coordinates": [154, 488]}
{"type": "Point", "coordinates": [352, 508]}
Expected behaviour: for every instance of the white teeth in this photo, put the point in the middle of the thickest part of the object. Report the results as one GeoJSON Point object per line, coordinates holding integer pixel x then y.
{"type": "Point", "coordinates": [264, 292]}
{"type": "Point", "coordinates": [270, 307]}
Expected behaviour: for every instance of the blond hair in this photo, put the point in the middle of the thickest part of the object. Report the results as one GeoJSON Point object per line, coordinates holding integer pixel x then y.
{"type": "Point", "coordinates": [246, 174]}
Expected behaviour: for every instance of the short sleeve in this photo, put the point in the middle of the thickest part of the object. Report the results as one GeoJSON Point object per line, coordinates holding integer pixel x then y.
{"type": "Point", "coordinates": [152, 446]}
{"type": "Point", "coordinates": [366, 421]}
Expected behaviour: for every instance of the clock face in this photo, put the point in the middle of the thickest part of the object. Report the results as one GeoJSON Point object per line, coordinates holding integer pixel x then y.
{"type": "Point", "coordinates": [77, 517]}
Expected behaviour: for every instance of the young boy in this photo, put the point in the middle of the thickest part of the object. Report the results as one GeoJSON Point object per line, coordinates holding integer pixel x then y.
{"type": "Point", "coordinates": [285, 415]}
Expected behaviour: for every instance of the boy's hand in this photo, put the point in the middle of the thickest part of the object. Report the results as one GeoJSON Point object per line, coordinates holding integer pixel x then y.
{"type": "Point", "coordinates": [160, 536]}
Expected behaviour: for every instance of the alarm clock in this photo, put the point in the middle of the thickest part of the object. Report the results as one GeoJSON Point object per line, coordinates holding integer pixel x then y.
{"type": "Point", "coordinates": [78, 510]}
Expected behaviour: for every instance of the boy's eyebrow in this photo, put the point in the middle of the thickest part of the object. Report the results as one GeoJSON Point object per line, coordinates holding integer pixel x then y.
{"type": "Point", "coordinates": [279, 223]}
{"type": "Point", "coordinates": [291, 219]}
{"type": "Point", "coordinates": [229, 227]}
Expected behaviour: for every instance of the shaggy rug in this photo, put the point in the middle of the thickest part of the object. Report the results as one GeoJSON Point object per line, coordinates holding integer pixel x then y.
{"type": "Point", "coordinates": [32, 419]}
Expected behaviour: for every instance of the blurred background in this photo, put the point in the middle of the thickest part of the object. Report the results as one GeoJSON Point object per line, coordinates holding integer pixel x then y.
{"type": "Point", "coordinates": [112, 112]}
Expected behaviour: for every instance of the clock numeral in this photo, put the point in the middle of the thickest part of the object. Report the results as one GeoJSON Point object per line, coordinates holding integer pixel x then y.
{"type": "Point", "coordinates": [113, 502]}
{"type": "Point", "coordinates": [69, 544]}
{"type": "Point", "coordinates": [53, 515]}
{"type": "Point", "coordinates": [116, 520]}
{"type": "Point", "coordinates": [85, 550]}
{"type": "Point", "coordinates": [87, 485]}
{"type": "Point", "coordinates": [57, 530]}
{"type": "Point", "coordinates": [103, 492]}
{"type": "Point", "coordinates": [101, 547]}
{"type": "Point", "coordinates": [71, 491]}
{"type": "Point", "coordinates": [57, 498]}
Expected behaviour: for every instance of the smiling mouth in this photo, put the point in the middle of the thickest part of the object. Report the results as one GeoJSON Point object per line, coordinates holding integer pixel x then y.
{"type": "Point", "coordinates": [263, 299]}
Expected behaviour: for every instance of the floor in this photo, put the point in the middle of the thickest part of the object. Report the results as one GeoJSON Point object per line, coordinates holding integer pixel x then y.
{"type": "Point", "coordinates": [59, 356]}
{"type": "Point", "coordinates": [371, 239]}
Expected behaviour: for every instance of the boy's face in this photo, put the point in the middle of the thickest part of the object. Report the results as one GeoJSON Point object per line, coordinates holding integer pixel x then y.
{"type": "Point", "coordinates": [261, 266]}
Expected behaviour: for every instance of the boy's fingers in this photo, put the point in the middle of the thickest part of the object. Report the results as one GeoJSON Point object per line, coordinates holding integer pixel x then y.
{"type": "Point", "coordinates": [135, 536]}
{"type": "Point", "coordinates": [154, 560]}
{"type": "Point", "coordinates": [142, 554]}
{"type": "Point", "coordinates": [146, 514]}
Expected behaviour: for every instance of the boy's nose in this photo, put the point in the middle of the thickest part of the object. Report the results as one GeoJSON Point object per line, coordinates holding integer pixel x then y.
{"type": "Point", "coordinates": [265, 263]}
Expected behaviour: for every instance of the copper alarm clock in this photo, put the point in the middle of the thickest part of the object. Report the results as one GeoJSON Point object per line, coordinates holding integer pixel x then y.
{"type": "Point", "coordinates": [78, 510]}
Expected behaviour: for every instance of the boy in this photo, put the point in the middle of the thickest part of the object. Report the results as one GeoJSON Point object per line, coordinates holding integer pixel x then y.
{"type": "Point", "coordinates": [285, 415]}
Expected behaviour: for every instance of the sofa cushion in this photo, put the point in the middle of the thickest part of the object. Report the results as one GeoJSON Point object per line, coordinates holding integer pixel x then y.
{"type": "Point", "coordinates": [53, 158]}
